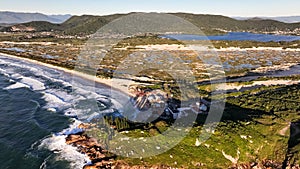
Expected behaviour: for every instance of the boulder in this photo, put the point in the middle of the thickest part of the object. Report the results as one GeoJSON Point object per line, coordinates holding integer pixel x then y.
{"type": "Point", "coordinates": [72, 138]}
{"type": "Point", "coordinates": [90, 167]}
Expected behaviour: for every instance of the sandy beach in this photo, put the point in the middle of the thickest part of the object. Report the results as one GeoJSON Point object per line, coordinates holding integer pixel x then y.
{"type": "Point", "coordinates": [115, 83]}
{"type": "Point", "coordinates": [123, 84]}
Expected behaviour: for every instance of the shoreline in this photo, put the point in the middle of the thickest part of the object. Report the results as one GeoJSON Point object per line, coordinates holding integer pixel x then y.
{"type": "Point", "coordinates": [80, 139]}
{"type": "Point", "coordinates": [77, 138]}
{"type": "Point", "coordinates": [121, 85]}
{"type": "Point", "coordinates": [116, 84]}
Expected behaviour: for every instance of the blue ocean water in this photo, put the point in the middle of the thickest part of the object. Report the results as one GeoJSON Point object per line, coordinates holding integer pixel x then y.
{"type": "Point", "coordinates": [236, 36]}
{"type": "Point", "coordinates": [39, 107]}
{"type": "Point", "coordinates": [23, 122]}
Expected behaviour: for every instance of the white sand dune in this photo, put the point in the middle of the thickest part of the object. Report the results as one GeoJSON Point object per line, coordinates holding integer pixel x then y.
{"type": "Point", "coordinates": [232, 86]}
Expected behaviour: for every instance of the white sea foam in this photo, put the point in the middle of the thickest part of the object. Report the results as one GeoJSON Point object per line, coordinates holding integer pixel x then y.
{"type": "Point", "coordinates": [71, 112]}
{"type": "Point", "coordinates": [16, 86]}
{"type": "Point", "coordinates": [58, 145]}
{"type": "Point", "coordinates": [58, 99]}
{"type": "Point", "coordinates": [15, 75]}
{"type": "Point", "coordinates": [2, 71]}
{"type": "Point", "coordinates": [73, 129]}
{"type": "Point", "coordinates": [52, 98]}
{"type": "Point", "coordinates": [54, 103]}
{"type": "Point", "coordinates": [28, 82]}
{"type": "Point", "coordinates": [20, 65]}
{"type": "Point", "coordinates": [52, 109]}
{"type": "Point", "coordinates": [33, 83]}
{"type": "Point", "coordinates": [35, 70]}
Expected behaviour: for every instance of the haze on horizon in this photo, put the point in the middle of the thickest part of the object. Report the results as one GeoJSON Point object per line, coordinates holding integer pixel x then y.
{"type": "Point", "coordinates": [251, 8]}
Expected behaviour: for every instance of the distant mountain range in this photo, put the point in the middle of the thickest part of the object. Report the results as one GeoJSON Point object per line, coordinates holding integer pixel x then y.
{"type": "Point", "coordinates": [286, 19]}
{"type": "Point", "coordinates": [89, 24]}
{"type": "Point", "coordinates": [19, 17]}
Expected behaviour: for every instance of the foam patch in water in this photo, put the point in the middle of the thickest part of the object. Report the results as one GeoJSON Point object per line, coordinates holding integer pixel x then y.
{"type": "Point", "coordinates": [16, 86]}
{"type": "Point", "coordinates": [58, 145]}
{"type": "Point", "coordinates": [33, 83]}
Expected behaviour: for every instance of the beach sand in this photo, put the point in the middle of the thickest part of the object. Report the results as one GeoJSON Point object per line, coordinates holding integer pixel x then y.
{"type": "Point", "coordinates": [115, 83]}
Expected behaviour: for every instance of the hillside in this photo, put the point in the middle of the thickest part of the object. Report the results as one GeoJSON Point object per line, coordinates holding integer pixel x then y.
{"type": "Point", "coordinates": [229, 24]}
{"type": "Point", "coordinates": [285, 19]}
{"type": "Point", "coordinates": [35, 26]}
{"type": "Point", "coordinates": [86, 24]}
{"type": "Point", "coordinates": [209, 24]}
{"type": "Point", "coordinates": [19, 17]}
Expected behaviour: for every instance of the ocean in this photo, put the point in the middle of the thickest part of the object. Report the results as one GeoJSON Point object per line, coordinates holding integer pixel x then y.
{"type": "Point", "coordinates": [39, 107]}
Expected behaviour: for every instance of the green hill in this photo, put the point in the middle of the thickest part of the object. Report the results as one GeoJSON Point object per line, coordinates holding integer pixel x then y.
{"type": "Point", "coordinates": [36, 26]}
{"type": "Point", "coordinates": [209, 24]}
{"type": "Point", "coordinates": [86, 24]}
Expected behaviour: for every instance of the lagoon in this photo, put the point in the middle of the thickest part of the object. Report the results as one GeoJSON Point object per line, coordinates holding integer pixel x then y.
{"type": "Point", "coordinates": [236, 36]}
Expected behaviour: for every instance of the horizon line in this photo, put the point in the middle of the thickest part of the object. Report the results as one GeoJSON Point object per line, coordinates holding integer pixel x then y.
{"type": "Point", "coordinates": [231, 16]}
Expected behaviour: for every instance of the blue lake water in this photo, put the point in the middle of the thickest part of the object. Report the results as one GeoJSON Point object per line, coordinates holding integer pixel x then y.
{"type": "Point", "coordinates": [236, 36]}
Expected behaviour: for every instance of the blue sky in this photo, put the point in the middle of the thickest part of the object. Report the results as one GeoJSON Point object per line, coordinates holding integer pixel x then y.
{"type": "Point", "coordinates": [101, 7]}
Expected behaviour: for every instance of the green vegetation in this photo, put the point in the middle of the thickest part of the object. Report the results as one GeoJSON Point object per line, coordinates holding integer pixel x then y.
{"type": "Point", "coordinates": [145, 40]}
{"type": "Point", "coordinates": [271, 100]}
{"type": "Point", "coordinates": [254, 128]}
{"type": "Point", "coordinates": [292, 77]}
{"type": "Point", "coordinates": [209, 24]}
{"type": "Point", "coordinates": [252, 125]}
{"type": "Point", "coordinates": [29, 37]}
{"type": "Point", "coordinates": [253, 120]}
{"type": "Point", "coordinates": [251, 44]}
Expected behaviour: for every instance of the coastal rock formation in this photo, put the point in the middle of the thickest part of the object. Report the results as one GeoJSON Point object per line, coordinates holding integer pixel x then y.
{"type": "Point", "coordinates": [100, 158]}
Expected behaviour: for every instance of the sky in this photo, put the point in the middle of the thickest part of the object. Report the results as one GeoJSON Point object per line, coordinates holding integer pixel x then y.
{"type": "Point", "coordinates": [247, 8]}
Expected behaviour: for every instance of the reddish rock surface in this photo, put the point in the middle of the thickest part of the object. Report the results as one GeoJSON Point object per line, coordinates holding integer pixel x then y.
{"type": "Point", "coordinates": [100, 158]}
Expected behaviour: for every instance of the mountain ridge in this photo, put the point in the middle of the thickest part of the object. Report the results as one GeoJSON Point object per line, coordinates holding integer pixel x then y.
{"type": "Point", "coordinates": [285, 19]}
{"type": "Point", "coordinates": [209, 24]}
{"type": "Point", "coordinates": [7, 17]}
